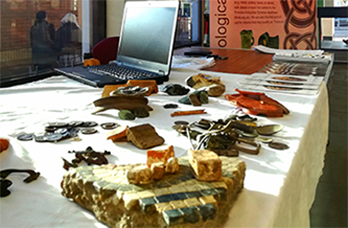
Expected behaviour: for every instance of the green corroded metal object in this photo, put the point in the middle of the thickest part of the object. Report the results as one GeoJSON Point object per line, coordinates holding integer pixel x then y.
{"type": "Point", "coordinates": [202, 96]}
{"type": "Point", "coordinates": [126, 115]}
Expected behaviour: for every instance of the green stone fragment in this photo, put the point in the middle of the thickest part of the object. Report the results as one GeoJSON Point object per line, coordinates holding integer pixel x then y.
{"type": "Point", "coordinates": [203, 97]}
{"type": "Point", "coordinates": [141, 112]}
{"type": "Point", "coordinates": [126, 115]}
{"type": "Point", "coordinates": [185, 100]}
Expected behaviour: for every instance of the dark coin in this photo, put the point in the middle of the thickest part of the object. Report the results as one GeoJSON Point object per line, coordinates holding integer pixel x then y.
{"type": "Point", "coordinates": [51, 129]}
{"type": "Point", "coordinates": [278, 146]}
{"type": "Point", "coordinates": [41, 138]}
{"type": "Point", "coordinates": [109, 126]}
{"type": "Point", "coordinates": [73, 132]}
{"type": "Point", "coordinates": [57, 124]}
{"type": "Point", "coordinates": [181, 122]}
{"type": "Point", "coordinates": [25, 137]}
{"type": "Point", "coordinates": [89, 131]}
{"type": "Point", "coordinates": [55, 137]}
{"type": "Point", "coordinates": [75, 123]}
{"type": "Point", "coordinates": [89, 124]}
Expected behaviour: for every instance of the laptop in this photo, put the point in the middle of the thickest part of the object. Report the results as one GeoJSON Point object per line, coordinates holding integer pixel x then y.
{"type": "Point", "coordinates": [145, 45]}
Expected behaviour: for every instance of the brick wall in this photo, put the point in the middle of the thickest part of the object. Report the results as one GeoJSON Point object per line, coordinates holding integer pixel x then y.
{"type": "Point", "coordinates": [17, 16]}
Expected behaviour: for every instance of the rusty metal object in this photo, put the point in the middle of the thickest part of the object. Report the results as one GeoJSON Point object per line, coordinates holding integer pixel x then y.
{"type": "Point", "coordinates": [121, 103]}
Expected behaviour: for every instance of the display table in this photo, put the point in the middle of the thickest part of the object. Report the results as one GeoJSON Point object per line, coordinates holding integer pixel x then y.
{"type": "Point", "coordinates": [279, 185]}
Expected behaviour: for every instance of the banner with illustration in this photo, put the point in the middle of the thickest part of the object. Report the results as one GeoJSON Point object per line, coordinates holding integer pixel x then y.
{"type": "Point", "coordinates": [282, 24]}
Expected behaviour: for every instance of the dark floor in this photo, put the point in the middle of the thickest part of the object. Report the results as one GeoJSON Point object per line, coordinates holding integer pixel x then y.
{"type": "Point", "coordinates": [330, 206]}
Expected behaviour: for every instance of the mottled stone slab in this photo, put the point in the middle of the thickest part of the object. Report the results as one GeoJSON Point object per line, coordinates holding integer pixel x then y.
{"type": "Point", "coordinates": [177, 200]}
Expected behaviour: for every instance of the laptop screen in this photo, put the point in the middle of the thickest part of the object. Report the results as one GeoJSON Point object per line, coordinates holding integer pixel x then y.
{"type": "Point", "coordinates": [147, 34]}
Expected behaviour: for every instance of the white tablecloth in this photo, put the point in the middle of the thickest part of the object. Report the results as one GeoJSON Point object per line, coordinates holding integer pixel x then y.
{"type": "Point", "coordinates": [279, 185]}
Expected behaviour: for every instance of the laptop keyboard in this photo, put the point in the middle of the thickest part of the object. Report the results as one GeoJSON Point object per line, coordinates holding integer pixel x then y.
{"type": "Point", "coordinates": [121, 72]}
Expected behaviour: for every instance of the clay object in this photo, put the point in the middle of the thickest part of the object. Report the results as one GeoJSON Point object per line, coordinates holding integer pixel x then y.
{"type": "Point", "coordinates": [139, 175]}
{"type": "Point", "coordinates": [211, 84]}
{"type": "Point", "coordinates": [172, 165]}
{"type": "Point", "coordinates": [4, 144]}
{"type": "Point", "coordinates": [126, 115]}
{"type": "Point", "coordinates": [257, 104]}
{"type": "Point", "coordinates": [175, 89]}
{"type": "Point", "coordinates": [121, 103]}
{"type": "Point", "coordinates": [154, 156]}
{"type": "Point", "coordinates": [206, 165]}
{"type": "Point", "coordinates": [200, 94]}
{"type": "Point", "coordinates": [157, 170]}
{"type": "Point", "coordinates": [144, 136]}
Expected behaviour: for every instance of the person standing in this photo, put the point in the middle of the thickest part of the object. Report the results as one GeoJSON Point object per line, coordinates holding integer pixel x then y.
{"type": "Point", "coordinates": [42, 37]}
{"type": "Point", "coordinates": [68, 41]}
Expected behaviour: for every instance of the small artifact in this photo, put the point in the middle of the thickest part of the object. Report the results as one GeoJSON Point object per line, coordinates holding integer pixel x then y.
{"type": "Point", "coordinates": [175, 89]}
{"type": "Point", "coordinates": [89, 131]}
{"type": "Point", "coordinates": [4, 185]}
{"type": "Point", "coordinates": [90, 156]}
{"type": "Point", "coordinates": [126, 115]}
{"type": "Point", "coordinates": [278, 145]}
{"type": "Point", "coordinates": [206, 165]}
{"type": "Point", "coordinates": [130, 91]}
{"type": "Point", "coordinates": [166, 106]}
{"type": "Point", "coordinates": [201, 95]}
{"type": "Point", "coordinates": [269, 129]}
{"type": "Point", "coordinates": [181, 122]}
{"type": "Point", "coordinates": [4, 144]}
{"type": "Point", "coordinates": [144, 136]}
{"type": "Point", "coordinates": [172, 165]}
{"type": "Point", "coordinates": [185, 113]}
{"type": "Point", "coordinates": [157, 170]}
{"type": "Point", "coordinates": [255, 103]}
{"type": "Point", "coordinates": [141, 112]}
{"type": "Point", "coordinates": [150, 84]}
{"type": "Point", "coordinates": [263, 139]}
{"type": "Point", "coordinates": [109, 126]}
{"type": "Point", "coordinates": [118, 134]}
{"type": "Point", "coordinates": [121, 103]}
{"type": "Point", "coordinates": [32, 174]}
{"type": "Point", "coordinates": [211, 84]}
{"type": "Point", "coordinates": [194, 100]}
{"type": "Point", "coordinates": [139, 175]}
{"type": "Point", "coordinates": [89, 124]}
{"type": "Point", "coordinates": [155, 156]}
{"type": "Point", "coordinates": [26, 137]}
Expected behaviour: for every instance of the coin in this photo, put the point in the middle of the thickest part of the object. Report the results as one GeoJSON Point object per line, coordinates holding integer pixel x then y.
{"type": "Point", "coordinates": [25, 137]}
{"type": "Point", "coordinates": [264, 139]}
{"type": "Point", "coordinates": [89, 124]}
{"type": "Point", "coordinates": [55, 137]}
{"type": "Point", "coordinates": [89, 131]}
{"type": "Point", "coordinates": [41, 138]}
{"type": "Point", "coordinates": [75, 123]}
{"type": "Point", "coordinates": [181, 122]}
{"type": "Point", "coordinates": [109, 126]}
{"type": "Point", "coordinates": [57, 124]}
{"type": "Point", "coordinates": [278, 146]}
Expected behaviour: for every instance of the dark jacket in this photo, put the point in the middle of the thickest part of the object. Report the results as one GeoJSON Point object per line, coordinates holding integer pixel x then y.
{"type": "Point", "coordinates": [42, 37]}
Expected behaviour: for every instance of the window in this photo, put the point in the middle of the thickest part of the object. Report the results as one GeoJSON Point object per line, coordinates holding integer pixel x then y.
{"type": "Point", "coordinates": [39, 35]}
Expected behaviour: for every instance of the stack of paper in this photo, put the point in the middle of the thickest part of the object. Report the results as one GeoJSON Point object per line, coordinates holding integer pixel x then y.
{"type": "Point", "coordinates": [281, 83]}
